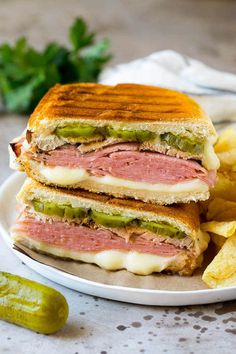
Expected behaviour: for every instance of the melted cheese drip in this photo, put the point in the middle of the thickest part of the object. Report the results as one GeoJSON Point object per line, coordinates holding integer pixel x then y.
{"type": "Point", "coordinates": [68, 176]}
{"type": "Point", "coordinates": [210, 159]}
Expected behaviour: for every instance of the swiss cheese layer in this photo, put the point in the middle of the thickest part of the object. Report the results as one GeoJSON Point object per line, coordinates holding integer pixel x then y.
{"type": "Point", "coordinates": [135, 262]}
{"type": "Point", "coordinates": [65, 176]}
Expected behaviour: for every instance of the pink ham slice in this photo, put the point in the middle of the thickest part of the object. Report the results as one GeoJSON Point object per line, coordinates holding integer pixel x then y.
{"type": "Point", "coordinates": [84, 239]}
{"type": "Point", "coordinates": [127, 162]}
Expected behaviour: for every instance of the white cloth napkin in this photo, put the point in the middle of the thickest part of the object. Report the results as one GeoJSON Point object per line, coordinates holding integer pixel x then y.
{"type": "Point", "coordinates": [214, 90]}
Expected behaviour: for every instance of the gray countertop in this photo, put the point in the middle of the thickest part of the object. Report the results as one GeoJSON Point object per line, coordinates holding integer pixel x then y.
{"type": "Point", "coordinates": [203, 29]}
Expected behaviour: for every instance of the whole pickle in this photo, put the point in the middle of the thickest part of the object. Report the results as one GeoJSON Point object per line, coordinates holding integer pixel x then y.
{"type": "Point", "coordinates": [32, 305]}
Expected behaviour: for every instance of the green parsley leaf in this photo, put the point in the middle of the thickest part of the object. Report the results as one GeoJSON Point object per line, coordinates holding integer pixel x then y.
{"type": "Point", "coordinates": [79, 35]}
{"type": "Point", "coordinates": [26, 74]}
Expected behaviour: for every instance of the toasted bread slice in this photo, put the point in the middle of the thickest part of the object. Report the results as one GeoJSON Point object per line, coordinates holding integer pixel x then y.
{"type": "Point", "coordinates": [123, 102]}
{"type": "Point", "coordinates": [124, 106]}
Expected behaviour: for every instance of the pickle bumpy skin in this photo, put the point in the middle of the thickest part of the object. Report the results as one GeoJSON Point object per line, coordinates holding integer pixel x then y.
{"type": "Point", "coordinates": [31, 305]}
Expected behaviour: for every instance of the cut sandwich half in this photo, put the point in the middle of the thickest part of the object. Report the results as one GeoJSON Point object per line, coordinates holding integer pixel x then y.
{"type": "Point", "coordinates": [128, 140]}
{"type": "Point", "coordinates": [112, 233]}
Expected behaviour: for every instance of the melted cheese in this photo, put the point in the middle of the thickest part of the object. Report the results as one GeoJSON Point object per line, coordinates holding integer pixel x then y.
{"type": "Point", "coordinates": [210, 159]}
{"type": "Point", "coordinates": [135, 262]}
{"type": "Point", "coordinates": [63, 175]}
{"type": "Point", "coordinates": [68, 176]}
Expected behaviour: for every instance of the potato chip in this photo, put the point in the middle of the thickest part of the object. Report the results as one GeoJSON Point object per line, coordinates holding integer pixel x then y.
{"type": "Point", "coordinates": [218, 241]}
{"type": "Point", "coordinates": [221, 210]}
{"type": "Point", "coordinates": [225, 186]}
{"type": "Point", "coordinates": [226, 141]}
{"type": "Point", "coordinates": [224, 228]}
{"type": "Point", "coordinates": [221, 272]}
{"type": "Point", "coordinates": [221, 213]}
{"type": "Point", "coordinates": [227, 160]}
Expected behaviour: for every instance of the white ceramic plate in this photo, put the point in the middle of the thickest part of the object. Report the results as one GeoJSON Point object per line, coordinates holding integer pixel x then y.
{"type": "Point", "coordinates": [8, 192]}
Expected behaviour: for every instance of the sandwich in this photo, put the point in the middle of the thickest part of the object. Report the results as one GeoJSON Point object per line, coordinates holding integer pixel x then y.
{"type": "Point", "coordinates": [141, 142]}
{"type": "Point", "coordinates": [112, 233]}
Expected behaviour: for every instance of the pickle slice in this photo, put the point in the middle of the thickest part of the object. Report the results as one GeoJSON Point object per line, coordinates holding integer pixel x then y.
{"type": "Point", "coordinates": [162, 229]}
{"type": "Point", "coordinates": [183, 143]}
{"type": "Point", "coordinates": [79, 213]}
{"type": "Point", "coordinates": [130, 135]}
{"type": "Point", "coordinates": [58, 210]}
{"type": "Point", "coordinates": [38, 206]}
{"type": "Point", "coordinates": [75, 131]}
{"type": "Point", "coordinates": [72, 213]}
{"type": "Point", "coordinates": [144, 135]}
{"type": "Point", "coordinates": [110, 220]}
{"type": "Point", "coordinates": [68, 212]}
{"type": "Point", "coordinates": [53, 209]}
{"type": "Point", "coordinates": [88, 131]}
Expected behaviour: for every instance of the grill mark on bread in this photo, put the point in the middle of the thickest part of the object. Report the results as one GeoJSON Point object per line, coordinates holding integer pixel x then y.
{"type": "Point", "coordinates": [71, 112]}
{"type": "Point", "coordinates": [120, 108]}
{"type": "Point", "coordinates": [117, 98]}
{"type": "Point", "coordinates": [124, 102]}
{"type": "Point", "coordinates": [95, 103]}
{"type": "Point", "coordinates": [120, 89]}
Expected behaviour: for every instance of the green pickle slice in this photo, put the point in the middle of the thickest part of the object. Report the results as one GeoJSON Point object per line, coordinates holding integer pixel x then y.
{"type": "Point", "coordinates": [88, 131]}
{"type": "Point", "coordinates": [110, 220]}
{"type": "Point", "coordinates": [50, 208]}
{"type": "Point", "coordinates": [68, 213]}
{"type": "Point", "coordinates": [183, 143]}
{"type": "Point", "coordinates": [53, 209]}
{"type": "Point", "coordinates": [79, 213]}
{"type": "Point", "coordinates": [76, 131]}
{"type": "Point", "coordinates": [162, 229]}
{"type": "Point", "coordinates": [131, 135]}
{"type": "Point", "coordinates": [38, 206]}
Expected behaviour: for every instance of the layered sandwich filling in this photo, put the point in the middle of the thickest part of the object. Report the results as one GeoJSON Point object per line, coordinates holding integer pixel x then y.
{"type": "Point", "coordinates": [111, 241]}
{"type": "Point", "coordinates": [108, 231]}
{"type": "Point", "coordinates": [102, 247]}
{"type": "Point", "coordinates": [87, 229]}
{"type": "Point", "coordinates": [113, 221]}
{"type": "Point", "coordinates": [119, 163]}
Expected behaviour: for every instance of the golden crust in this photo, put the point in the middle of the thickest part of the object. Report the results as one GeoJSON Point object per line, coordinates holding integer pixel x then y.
{"type": "Point", "coordinates": [187, 214]}
{"type": "Point", "coordinates": [123, 102]}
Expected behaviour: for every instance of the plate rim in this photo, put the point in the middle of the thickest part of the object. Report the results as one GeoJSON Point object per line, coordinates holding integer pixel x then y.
{"type": "Point", "coordinates": [6, 238]}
